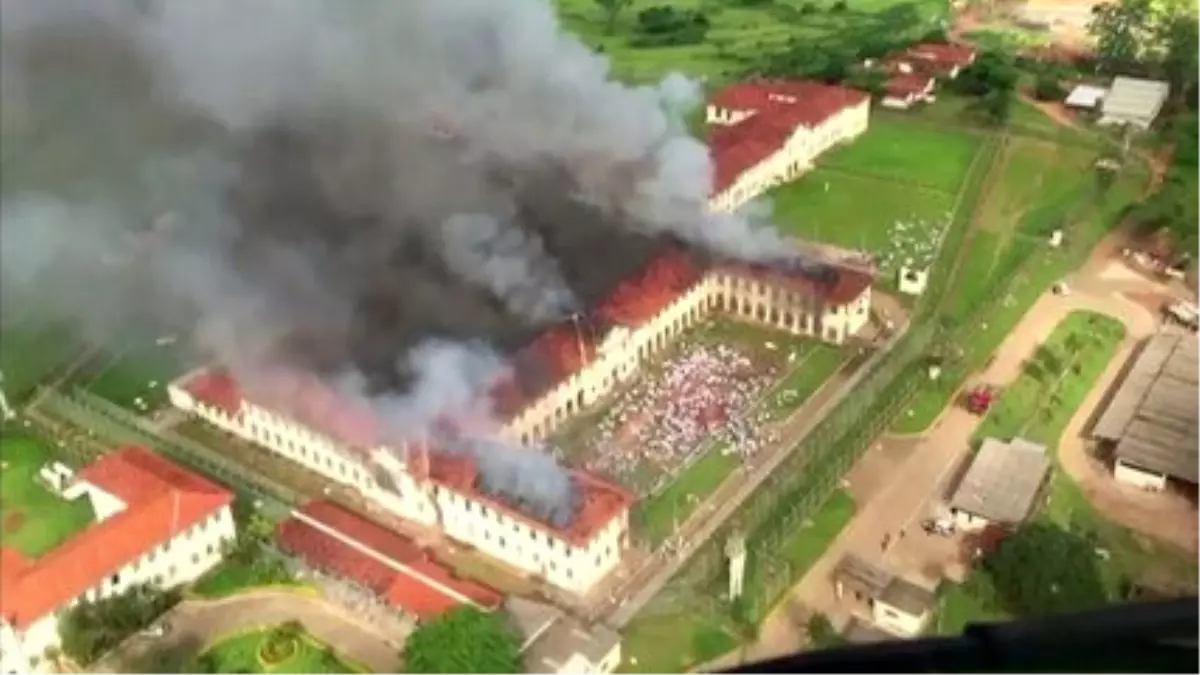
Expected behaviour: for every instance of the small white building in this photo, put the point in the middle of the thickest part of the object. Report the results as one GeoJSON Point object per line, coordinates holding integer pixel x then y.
{"type": "Point", "coordinates": [1133, 101]}
{"type": "Point", "coordinates": [1085, 97]}
{"type": "Point", "coordinates": [903, 608]}
{"type": "Point", "coordinates": [1002, 484]}
{"type": "Point", "coordinates": [157, 523]}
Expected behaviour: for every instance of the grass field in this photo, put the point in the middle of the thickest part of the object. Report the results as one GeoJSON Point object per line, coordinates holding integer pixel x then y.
{"type": "Point", "coordinates": [232, 577]}
{"type": "Point", "coordinates": [240, 654]}
{"type": "Point", "coordinates": [30, 351]}
{"type": "Point", "coordinates": [683, 627]}
{"type": "Point", "coordinates": [140, 372]}
{"type": "Point", "coordinates": [33, 519]}
{"type": "Point", "coordinates": [1006, 271]}
{"type": "Point", "coordinates": [1038, 406]}
{"type": "Point", "coordinates": [815, 369]}
{"type": "Point", "coordinates": [890, 192]}
{"type": "Point", "coordinates": [739, 35]}
{"type": "Point", "coordinates": [657, 516]}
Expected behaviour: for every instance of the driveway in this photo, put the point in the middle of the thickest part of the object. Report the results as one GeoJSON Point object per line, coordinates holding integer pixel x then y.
{"type": "Point", "coordinates": [922, 477]}
{"type": "Point", "coordinates": [198, 623]}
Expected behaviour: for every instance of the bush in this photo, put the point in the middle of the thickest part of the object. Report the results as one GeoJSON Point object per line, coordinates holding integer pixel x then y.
{"type": "Point", "coordinates": [808, 8]}
{"type": "Point", "coordinates": [663, 25]}
{"type": "Point", "coordinates": [839, 7]}
{"type": "Point", "coordinates": [1048, 88]}
{"type": "Point", "coordinates": [821, 632]}
{"type": "Point", "coordinates": [90, 629]}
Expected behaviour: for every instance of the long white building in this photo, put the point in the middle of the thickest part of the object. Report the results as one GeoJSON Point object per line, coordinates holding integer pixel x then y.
{"type": "Point", "coordinates": [156, 523]}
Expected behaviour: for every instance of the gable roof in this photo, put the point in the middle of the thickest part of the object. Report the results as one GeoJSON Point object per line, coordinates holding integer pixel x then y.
{"type": "Point", "coordinates": [1003, 480]}
{"type": "Point", "coordinates": [1135, 97]}
{"type": "Point", "coordinates": [341, 542]}
{"type": "Point", "coordinates": [778, 108]}
{"type": "Point", "coordinates": [162, 499]}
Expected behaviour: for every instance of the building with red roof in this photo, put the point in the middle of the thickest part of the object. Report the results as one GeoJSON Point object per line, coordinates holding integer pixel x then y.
{"type": "Point", "coordinates": [336, 541]}
{"type": "Point", "coordinates": [156, 523]}
{"type": "Point", "coordinates": [914, 72]}
{"type": "Point", "coordinates": [767, 133]}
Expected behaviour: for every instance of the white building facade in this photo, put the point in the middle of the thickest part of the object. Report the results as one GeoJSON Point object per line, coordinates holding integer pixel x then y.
{"type": "Point", "coordinates": [157, 524]}
{"type": "Point", "coordinates": [770, 133]}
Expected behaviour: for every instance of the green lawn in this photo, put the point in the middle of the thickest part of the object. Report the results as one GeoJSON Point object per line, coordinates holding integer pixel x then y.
{"type": "Point", "coordinates": [673, 642]}
{"type": "Point", "coordinates": [814, 371]}
{"type": "Point", "coordinates": [990, 300]}
{"type": "Point", "coordinates": [33, 519]}
{"type": "Point", "coordinates": [908, 153]}
{"type": "Point", "coordinates": [895, 221]}
{"type": "Point", "coordinates": [142, 371]}
{"type": "Point", "coordinates": [811, 540]}
{"type": "Point", "coordinates": [958, 606]}
{"type": "Point", "coordinates": [658, 515]}
{"type": "Point", "coordinates": [739, 35]}
{"type": "Point", "coordinates": [29, 351]}
{"type": "Point", "coordinates": [240, 654]}
{"type": "Point", "coordinates": [232, 577]}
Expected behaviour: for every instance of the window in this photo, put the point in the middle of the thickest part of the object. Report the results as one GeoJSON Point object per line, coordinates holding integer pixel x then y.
{"type": "Point", "coordinates": [116, 579]}
{"type": "Point", "coordinates": [211, 549]}
{"type": "Point", "coordinates": [195, 558]}
{"type": "Point", "coordinates": [553, 566]}
{"type": "Point", "coordinates": [500, 540]}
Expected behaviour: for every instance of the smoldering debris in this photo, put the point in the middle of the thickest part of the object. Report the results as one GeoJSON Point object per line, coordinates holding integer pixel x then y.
{"type": "Point", "coordinates": [357, 181]}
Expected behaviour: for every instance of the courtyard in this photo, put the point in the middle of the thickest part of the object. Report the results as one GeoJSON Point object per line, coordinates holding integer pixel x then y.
{"type": "Point", "coordinates": [33, 519]}
{"type": "Point", "coordinates": [701, 397]}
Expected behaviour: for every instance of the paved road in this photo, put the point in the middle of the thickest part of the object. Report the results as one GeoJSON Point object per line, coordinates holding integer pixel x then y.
{"type": "Point", "coordinates": [201, 622]}
{"type": "Point", "coordinates": [922, 478]}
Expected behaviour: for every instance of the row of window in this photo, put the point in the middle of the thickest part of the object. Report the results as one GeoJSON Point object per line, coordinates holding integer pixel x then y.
{"type": "Point", "coordinates": [267, 435]}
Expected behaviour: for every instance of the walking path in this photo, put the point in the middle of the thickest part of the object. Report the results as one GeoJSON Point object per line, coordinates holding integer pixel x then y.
{"type": "Point", "coordinates": [198, 623]}
{"type": "Point", "coordinates": [920, 481]}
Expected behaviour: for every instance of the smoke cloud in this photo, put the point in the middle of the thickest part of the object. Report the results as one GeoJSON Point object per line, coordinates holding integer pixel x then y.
{"type": "Point", "coordinates": [393, 196]}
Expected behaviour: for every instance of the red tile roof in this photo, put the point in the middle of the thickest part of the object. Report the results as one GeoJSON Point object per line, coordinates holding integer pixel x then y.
{"type": "Point", "coordinates": [300, 396]}
{"type": "Point", "coordinates": [161, 499]}
{"type": "Point", "coordinates": [216, 388]}
{"type": "Point", "coordinates": [413, 588]}
{"type": "Point", "coordinates": [599, 501]}
{"type": "Point", "coordinates": [904, 85]}
{"type": "Point", "coordinates": [638, 299]}
{"type": "Point", "coordinates": [779, 108]}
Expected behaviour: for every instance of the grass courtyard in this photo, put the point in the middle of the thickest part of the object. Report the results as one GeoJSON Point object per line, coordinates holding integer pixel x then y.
{"type": "Point", "coordinates": [256, 652]}
{"type": "Point", "coordinates": [741, 33]}
{"type": "Point", "coordinates": [684, 423]}
{"type": "Point", "coordinates": [891, 192]}
{"type": "Point", "coordinates": [137, 377]}
{"type": "Point", "coordinates": [33, 519]}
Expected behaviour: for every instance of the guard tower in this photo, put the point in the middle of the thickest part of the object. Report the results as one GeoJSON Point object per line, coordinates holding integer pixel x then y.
{"type": "Point", "coordinates": [5, 408]}
{"type": "Point", "coordinates": [735, 550]}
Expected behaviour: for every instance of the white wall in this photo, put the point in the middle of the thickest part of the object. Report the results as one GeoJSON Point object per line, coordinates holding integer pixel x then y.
{"type": "Point", "coordinates": [1139, 478]}
{"type": "Point", "coordinates": [530, 548]}
{"type": "Point", "coordinates": [183, 559]}
{"type": "Point", "coordinates": [969, 522]}
{"type": "Point", "coordinates": [896, 621]}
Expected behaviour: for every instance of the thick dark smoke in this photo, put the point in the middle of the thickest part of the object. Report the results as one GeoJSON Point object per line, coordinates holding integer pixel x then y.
{"type": "Point", "coordinates": [388, 194]}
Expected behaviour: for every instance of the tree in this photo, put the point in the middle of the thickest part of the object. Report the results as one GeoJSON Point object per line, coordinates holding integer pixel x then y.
{"type": "Point", "coordinates": [993, 70]}
{"type": "Point", "coordinates": [1042, 569]}
{"type": "Point", "coordinates": [90, 629]}
{"type": "Point", "coordinates": [612, 10]}
{"type": "Point", "coordinates": [1121, 30]}
{"type": "Point", "coordinates": [1180, 63]}
{"type": "Point", "coordinates": [1048, 88]}
{"type": "Point", "coordinates": [821, 633]}
{"type": "Point", "coordinates": [995, 106]}
{"type": "Point", "coordinates": [463, 640]}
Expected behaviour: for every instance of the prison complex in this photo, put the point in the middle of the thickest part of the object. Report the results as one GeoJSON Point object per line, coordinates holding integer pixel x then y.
{"type": "Point", "coordinates": [572, 365]}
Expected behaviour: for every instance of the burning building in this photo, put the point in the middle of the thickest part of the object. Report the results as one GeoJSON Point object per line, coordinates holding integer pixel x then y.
{"type": "Point", "coordinates": [566, 526]}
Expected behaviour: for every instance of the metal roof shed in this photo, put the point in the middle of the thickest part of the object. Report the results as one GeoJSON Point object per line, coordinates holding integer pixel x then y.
{"type": "Point", "coordinates": [1133, 101]}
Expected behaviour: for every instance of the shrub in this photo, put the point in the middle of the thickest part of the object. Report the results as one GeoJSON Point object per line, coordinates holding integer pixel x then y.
{"type": "Point", "coordinates": [1048, 88]}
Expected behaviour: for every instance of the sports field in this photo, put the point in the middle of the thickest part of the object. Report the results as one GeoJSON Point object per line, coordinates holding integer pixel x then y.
{"type": "Point", "coordinates": [33, 519]}
{"type": "Point", "coordinates": [741, 32]}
